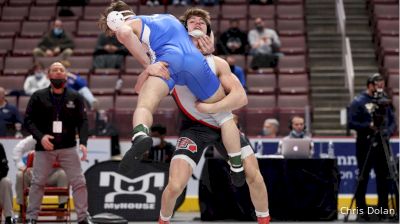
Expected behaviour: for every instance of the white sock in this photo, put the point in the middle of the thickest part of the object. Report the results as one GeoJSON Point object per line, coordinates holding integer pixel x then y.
{"type": "Point", "coordinates": [165, 219]}
{"type": "Point", "coordinates": [262, 214]}
{"type": "Point", "coordinates": [138, 134]}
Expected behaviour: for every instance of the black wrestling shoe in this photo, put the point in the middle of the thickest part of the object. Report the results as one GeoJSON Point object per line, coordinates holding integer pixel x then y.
{"type": "Point", "coordinates": [140, 145]}
{"type": "Point", "coordinates": [238, 177]}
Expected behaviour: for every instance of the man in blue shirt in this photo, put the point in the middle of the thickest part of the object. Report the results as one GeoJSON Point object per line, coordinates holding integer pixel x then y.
{"type": "Point", "coordinates": [373, 129]}
{"type": "Point", "coordinates": [237, 70]}
{"type": "Point", "coordinates": [10, 120]}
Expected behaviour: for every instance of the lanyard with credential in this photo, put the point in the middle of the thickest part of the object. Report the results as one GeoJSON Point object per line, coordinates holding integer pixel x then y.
{"type": "Point", "coordinates": [58, 103]}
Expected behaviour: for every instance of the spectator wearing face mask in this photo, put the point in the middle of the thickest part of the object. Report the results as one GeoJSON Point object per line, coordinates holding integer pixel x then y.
{"type": "Point", "coordinates": [297, 130]}
{"type": "Point", "coordinates": [264, 44]}
{"type": "Point", "coordinates": [37, 80]}
{"type": "Point", "coordinates": [161, 151]}
{"type": "Point", "coordinates": [55, 43]}
{"type": "Point", "coordinates": [270, 128]}
{"type": "Point", "coordinates": [233, 40]}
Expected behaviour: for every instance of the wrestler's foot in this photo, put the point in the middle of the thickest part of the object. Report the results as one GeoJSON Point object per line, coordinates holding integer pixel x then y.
{"type": "Point", "coordinates": [160, 221]}
{"type": "Point", "coordinates": [263, 220]}
{"type": "Point", "coordinates": [140, 145]}
{"type": "Point", "coordinates": [237, 176]}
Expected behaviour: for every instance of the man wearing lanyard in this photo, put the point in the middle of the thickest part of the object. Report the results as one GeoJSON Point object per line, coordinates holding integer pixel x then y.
{"type": "Point", "coordinates": [53, 116]}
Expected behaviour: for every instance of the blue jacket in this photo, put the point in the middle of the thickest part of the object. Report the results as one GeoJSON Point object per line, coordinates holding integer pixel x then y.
{"type": "Point", "coordinates": [360, 119]}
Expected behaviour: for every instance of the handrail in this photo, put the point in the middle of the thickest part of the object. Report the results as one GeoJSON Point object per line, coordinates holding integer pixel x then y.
{"type": "Point", "coordinates": [346, 48]}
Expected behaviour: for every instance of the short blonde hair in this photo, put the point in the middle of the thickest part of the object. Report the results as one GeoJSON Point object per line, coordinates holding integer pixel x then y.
{"type": "Point", "coordinates": [114, 6]}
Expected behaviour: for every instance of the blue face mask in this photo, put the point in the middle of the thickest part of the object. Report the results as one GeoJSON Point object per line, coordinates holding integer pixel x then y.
{"type": "Point", "coordinates": [57, 31]}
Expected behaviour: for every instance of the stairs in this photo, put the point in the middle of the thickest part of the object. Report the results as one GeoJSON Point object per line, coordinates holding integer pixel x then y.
{"type": "Point", "coordinates": [328, 92]}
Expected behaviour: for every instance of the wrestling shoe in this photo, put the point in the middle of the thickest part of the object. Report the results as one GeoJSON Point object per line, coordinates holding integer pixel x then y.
{"type": "Point", "coordinates": [238, 177]}
{"type": "Point", "coordinates": [263, 220]}
{"type": "Point", "coordinates": [163, 222]}
{"type": "Point", "coordinates": [140, 145]}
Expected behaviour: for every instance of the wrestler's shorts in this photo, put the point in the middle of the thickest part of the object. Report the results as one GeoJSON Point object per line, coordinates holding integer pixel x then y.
{"type": "Point", "coordinates": [194, 140]}
{"type": "Point", "coordinates": [191, 70]}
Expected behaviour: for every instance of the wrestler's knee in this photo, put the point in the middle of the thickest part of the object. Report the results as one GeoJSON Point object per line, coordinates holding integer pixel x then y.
{"type": "Point", "coordinates": [254, 177]}
{"type": "Point", "coordinates": [176, 187]}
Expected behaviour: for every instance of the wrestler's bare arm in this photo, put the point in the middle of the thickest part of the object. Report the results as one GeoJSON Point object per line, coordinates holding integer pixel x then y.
{"type": "Point", "coordinates": [236, 95]}
{"type": "Point", "coordinates": [128, 36]}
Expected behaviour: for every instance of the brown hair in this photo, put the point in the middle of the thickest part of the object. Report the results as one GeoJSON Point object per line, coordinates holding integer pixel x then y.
{"type": "Point", "coordinates": [205, 15]}
{"type": "Point", "coordinates": [114, 6]}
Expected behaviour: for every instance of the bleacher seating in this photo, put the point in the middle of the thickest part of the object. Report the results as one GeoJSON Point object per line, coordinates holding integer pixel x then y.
{"type": "Point", "coordinates": [23, 22]}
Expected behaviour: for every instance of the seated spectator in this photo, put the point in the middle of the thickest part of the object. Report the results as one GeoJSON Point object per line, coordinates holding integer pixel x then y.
{"type": "Point", "coordinates": [233, 40]}
{"type": "Point", "coordinates": [161, 151]}
{"type": "Point", "coordinates": [6, 194]}
{"type": "Point", "coordinates": [152, 3]}
{"type": "Point", "coordinates": [181, 2]}
{"type": "Point", "coordinates": [10, 119]}
{"type": "Point", "coordinates": [237, 70]}
{"type": "Point", "coordinates": [37, 80]}
{"type": "Point", "coordinates": [264, 45]}
{"type": "Point", "coordinates": [109, 52]}
{"type": "Point", "coordinates": [297, 130]}
{"type": "Point", "coordinates": [270, 128]}
{"type": "Point", "coordinates": [55, 42]}
{"type": "Point", "coordinates": [104, 128]}
{"type": "Point", "coordinates": [77, 83]}
{"type": "Point", "coordinates": [23, 154]}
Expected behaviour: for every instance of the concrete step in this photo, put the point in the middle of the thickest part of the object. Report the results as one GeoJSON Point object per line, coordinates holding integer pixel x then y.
{"type": "Point", "coordinates": [325, 59]}
{"type": "Point", "coordinates": [337, 81]}
{"type": "Point", "coordinates": [329, 89]}
{"type": "Point", "coordinates": [366, 59]}
{"type": "Point", "coordinates": [330, 132]}
{"type": "Point", "coordinates": [327, 125]}
{"type": "Point", "coordinates": [326, 110]}
{"type": "Point", "coordinates": [326, 70]}
{"type": "Point", "coordinates": [321, 22]}
{"type": "Point", "coordinates": [322, 29]}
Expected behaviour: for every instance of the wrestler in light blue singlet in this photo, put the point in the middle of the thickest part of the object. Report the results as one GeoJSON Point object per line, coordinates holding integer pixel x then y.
{"type": "Point", "coordinates": [168, 41]}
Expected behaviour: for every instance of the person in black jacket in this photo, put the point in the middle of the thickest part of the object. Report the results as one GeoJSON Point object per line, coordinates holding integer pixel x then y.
{"type": "Point", "coordinates": [54, 116]}
{"type": "Point", "coordinates": [369, 132]}
{"type": "Point", "coordinates": [6, 196]}
{"type": "Point", "coordinates": [109, 53]}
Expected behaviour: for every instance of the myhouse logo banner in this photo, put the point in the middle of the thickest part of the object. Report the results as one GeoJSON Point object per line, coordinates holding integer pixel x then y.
{"type": "Point", "coordinates": [134, 195]}
{"type": "Point", "coordinates": [124, 186]}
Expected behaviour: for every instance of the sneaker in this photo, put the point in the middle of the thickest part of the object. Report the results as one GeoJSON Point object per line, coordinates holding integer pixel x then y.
{"type": "Point", "coordinates": [263, 220]}
{"type": "Point", "coordinates": [140, 145]}
{"type": "Point", "coordinates": [85, 221]}
{"type": "Point", "coordinates": [238, 177]}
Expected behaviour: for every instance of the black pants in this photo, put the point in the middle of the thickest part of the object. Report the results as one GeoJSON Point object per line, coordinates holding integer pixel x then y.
{"type": "Point", "coordinates": [377, 161]}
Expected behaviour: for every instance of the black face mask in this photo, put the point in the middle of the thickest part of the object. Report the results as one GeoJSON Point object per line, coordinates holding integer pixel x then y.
{"type": "Point", "coordinates": [260, 28]}
{"type": "Point", "coordinates": [58, 83]}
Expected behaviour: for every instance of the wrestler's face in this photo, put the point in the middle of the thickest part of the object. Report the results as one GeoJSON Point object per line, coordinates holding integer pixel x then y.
{"type": "Point", "coordinates": [196, 23]}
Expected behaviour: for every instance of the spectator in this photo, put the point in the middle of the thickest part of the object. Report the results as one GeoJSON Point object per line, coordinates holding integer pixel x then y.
{"type": "Point", "coordinates": [37, 80]}
{"type": "Point", "coordinates": [233, 40]}
{"type": "Point", "coordinates": [109, 53]}
{"type": "Point", "coordinates": [55, 116]}
{"type": "Point", "coordinates": [104, 128]}
{"type": "Point", "coordinates": [180, 2]}
{"type": "Point", "coordinates": [6, 194]}
{"type": "Point", "coordinates": [23, 155]}
{"type": "Point", "coordinates": [270, 128]}
{"type": "Point", "coordinates": [161, 151]}
{"type": "Point", "coordinates": [237, 70]}
{"type": "Point", "coordinates": [297, 130]}
{"type": "Point", "coordinates": [264, 45]}
{"type": "Point", "coordinates": [10, 119]}
{"type": "Point", "coordinates": [152, 3]}
{"type": "Point", "coordinates": [77, 83]}
{"type": "Point", "coordinates": [55, 42]}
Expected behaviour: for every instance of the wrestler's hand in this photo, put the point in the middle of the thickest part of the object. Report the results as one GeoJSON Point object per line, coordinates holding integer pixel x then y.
{"type": "Point", "coordinates": [159, 69]}
{"type": "Point", "coordinates": [46, 143]}
{"type": "Point", "coordinates": [206, 45]}
{"type": "Point", "coordinates": [84, 152]}
{"type": "Point", "coordinates": [206, 108]}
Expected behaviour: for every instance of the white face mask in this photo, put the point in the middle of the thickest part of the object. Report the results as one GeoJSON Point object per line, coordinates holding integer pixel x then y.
{"type": "Point", "coordinates": [156, 141]}
{"type": "Point", "coordinates": [115, 19]}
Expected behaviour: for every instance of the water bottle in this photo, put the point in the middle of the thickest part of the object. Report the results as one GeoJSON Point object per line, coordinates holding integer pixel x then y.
{"type": "Point", "coordinates": [259, 148]}
{"type": "Point", "coordinates": [331, 150]}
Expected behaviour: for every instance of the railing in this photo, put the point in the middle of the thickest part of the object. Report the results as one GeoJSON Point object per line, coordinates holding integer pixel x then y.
{"type": "Point", "coordinates": [346, 48]}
